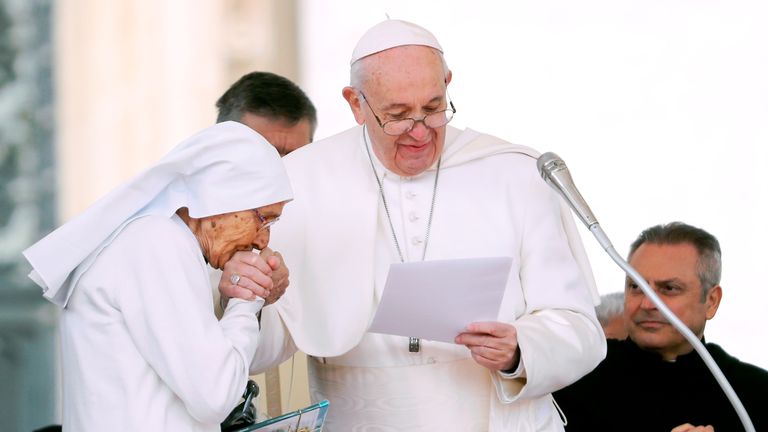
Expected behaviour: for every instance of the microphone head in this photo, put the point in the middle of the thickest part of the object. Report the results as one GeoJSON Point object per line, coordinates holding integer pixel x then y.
{"type": "Point", "coordinates": [555, 173]}
{"type": "Point", "coordinates": [547, 163]}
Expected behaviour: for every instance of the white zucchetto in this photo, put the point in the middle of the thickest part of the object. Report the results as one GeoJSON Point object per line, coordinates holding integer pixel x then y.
{"type": "Point", "coordinates": [390, 34]}
{"type": "Point", "coordinates": [222, 169]}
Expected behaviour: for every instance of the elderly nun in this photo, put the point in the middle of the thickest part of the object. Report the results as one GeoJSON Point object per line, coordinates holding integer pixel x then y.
{"type": "Point", "coordinates": [141, 347]}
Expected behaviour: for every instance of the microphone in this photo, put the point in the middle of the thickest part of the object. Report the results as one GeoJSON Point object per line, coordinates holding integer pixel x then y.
{"type": "Point", "coordinates": [554, 171]}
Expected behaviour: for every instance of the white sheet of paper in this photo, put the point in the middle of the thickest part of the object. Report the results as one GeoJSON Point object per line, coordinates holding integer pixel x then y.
{"type": "Point", "coordinates": [436, 300]}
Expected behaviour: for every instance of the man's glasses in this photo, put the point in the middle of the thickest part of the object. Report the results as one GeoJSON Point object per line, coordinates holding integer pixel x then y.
{"type": "Point", "coordinates": [402, 126]}
{"type": "Point", "coordinates": [265, 223]}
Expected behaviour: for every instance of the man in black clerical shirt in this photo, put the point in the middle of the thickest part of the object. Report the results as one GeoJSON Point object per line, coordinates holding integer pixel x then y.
{"type": "Point", "coordinates": [654, 380]}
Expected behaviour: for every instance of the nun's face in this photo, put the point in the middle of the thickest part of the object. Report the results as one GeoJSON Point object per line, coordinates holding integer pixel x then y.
{"type": "Point", "coordinates": [222, 235]}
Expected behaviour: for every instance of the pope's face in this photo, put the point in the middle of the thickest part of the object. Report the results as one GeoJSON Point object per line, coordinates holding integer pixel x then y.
{"type": "Point", "coordinates": [285, 137]}
{"type": "Point", "coordinates": [671, 270]}
{"type": "Point", "coordinates": [222, 235]}
{"type": "Point", "coordinates": [403, 82]}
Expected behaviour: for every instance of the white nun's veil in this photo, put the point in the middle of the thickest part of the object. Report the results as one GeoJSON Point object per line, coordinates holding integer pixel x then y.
{"type": "Point", "coordinates": [221, 169]}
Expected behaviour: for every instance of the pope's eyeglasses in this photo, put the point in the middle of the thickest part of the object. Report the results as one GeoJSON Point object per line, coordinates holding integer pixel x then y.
{"type": "Point", "coordinates": [402, 126]}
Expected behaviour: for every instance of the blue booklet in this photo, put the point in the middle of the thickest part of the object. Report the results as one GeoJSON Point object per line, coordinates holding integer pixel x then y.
{"type": "Point", "coordinates": [309, 419]}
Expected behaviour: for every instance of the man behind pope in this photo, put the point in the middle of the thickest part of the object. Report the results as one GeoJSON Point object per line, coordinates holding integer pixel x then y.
{"type": "Point", "coordinates": [403, 186]}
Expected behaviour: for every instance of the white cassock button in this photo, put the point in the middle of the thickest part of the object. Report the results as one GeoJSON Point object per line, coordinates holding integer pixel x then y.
{"type": "Point", "coordinates": [413, 217]}
{"type": "Point", "coordinates": [431, 360]}
{"type": "Point", "coordinates": [410, 194]}
{"type": "Point", "coordinates": [416, 241]}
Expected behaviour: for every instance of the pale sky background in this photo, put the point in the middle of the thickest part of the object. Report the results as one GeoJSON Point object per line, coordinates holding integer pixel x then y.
{"type": "Point", "coordinates": [659, 108]}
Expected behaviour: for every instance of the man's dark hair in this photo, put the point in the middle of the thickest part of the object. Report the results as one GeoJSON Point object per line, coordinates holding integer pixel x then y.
{"type": "Point", "coordinates": [268, 95]}
{"type": "Point", "coordinates": [707, 246]}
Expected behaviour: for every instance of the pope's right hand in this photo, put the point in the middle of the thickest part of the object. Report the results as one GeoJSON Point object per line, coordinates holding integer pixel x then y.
{"type": "Point", "coordinates": [246, 275]}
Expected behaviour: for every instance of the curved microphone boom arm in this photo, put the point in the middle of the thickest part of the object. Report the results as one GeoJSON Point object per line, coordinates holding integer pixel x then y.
{"type": "Point", "coordinates": [554, 171]}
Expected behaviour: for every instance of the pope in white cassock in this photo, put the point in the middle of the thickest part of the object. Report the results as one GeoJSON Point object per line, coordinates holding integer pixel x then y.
{"type": "Point", "coordinates": [141, 347]}
{"type": "Point", "coordinates": [404, 186]}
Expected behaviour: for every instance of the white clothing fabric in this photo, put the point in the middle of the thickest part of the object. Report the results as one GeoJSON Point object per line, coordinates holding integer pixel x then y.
{"type": "Point", "coordinates": [336, 240]}
{"type": "Point", "coordinates": [390, 34]}
{"type": "Point", "coordinates": [141, 348]}
{"type": "Point", "coordinates": [224, 168]}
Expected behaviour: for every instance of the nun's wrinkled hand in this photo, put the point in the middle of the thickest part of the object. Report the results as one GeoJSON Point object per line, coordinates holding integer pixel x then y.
{"type": "Point", "coordinates": [493, 345]}
{"type": "Point", "coordinates": [279, 274]}
{"type": "Point", "coordinates": [246, 275]}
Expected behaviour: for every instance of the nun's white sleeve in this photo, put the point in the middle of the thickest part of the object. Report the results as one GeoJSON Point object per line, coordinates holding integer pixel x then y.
{"type": "Point", "coordinates": [168, 310]}
{"type": "Point", "coordinates": [275, 342]}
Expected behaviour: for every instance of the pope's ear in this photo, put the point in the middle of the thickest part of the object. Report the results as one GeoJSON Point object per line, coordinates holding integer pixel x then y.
{"type": "Point", "coordinates": [355, 102]}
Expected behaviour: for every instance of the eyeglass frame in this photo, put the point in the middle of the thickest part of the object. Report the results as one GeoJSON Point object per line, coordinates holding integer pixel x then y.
{"type": "Point", "coordinates": [265, 223]}
{"type": "Point", "coordinates": [452, 109]}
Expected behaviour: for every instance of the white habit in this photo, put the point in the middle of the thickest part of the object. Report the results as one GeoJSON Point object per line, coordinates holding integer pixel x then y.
{"type": "Point", "coordinates": [141, 347]}
{"type": "Point", "coordinates": [336, 240]}
{"type": "Point", "coordinates": [144, 346]}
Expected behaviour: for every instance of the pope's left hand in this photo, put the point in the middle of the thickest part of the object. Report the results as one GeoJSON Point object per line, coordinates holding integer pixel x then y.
{"type": "Point", "coordinates": [493, 345]}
